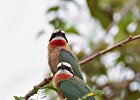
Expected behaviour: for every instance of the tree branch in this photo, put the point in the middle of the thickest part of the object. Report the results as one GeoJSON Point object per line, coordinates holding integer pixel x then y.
{"type": "Point", "coordinates": [120, 44]}
{"type": "Point", "coordinates": [49, 78]}
{"type": "Point", "coordinates": [36, 87]}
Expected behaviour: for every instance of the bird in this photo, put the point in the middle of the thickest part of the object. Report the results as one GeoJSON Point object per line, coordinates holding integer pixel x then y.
{"type": "Point", "coordinates": [70, 86]}
{"type": "Point", "coordinates": [59, 51]}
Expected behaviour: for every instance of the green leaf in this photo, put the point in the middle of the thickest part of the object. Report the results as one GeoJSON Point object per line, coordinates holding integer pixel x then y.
{"type": "Point", "coordinates": [98, 92]}
{"type": "Point", "coordinates": [71, 30]}
{"type": "Point", "coordinates": [123, 33]}
{"type": "Point", "coordinates": [125, 21]}
{"type": "Point", "coordinates": [97, 12]}
{"type": "Point", "coordinates": [57, 23]}
{"type": "Point", "coordinates": [50, 87]}
{"type": "Point", "coordinates": [19, 98]}
{"type": "Point", "coordinates": [53, 9]}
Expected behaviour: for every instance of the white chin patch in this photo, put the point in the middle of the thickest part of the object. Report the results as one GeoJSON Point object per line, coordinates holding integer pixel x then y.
{"type": "Point", "coordinates": [64, 72]}
{"type": "Point", "coordinates": [58, 38]}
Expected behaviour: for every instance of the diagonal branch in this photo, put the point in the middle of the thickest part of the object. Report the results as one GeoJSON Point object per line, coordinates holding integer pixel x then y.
{"type": "Point", "coordinates": [120, 44]}
{"type": "Point", "coordinates": [36, 87]}
{"type": "Point", "coordinates": [49, 78]}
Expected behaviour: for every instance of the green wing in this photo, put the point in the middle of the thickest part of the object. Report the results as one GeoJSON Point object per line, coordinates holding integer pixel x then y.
{"type": "Point", "coordinates": [66, 56]}
{"type": "Point", "coordinates": [74, 88]}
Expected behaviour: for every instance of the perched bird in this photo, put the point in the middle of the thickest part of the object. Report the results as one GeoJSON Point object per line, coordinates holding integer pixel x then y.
{"type": "Point", "coordinates": [59, 51]}
{"type": "Point", "coordinates": [71, 87]}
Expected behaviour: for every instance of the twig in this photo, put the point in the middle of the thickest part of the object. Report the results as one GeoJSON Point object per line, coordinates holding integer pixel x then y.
{"type": "Point", "coordinates": [36, 87]}
{"type": "Point", "coordinates": [120, 44]}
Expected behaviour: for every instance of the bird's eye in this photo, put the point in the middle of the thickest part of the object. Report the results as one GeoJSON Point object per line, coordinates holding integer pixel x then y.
{"type": "Point", "coordinates": [65, 37]}
{"type": "Point", "coordinates": [58, 68]}
{"type": "Point", "coordinates": [53, 35]}
{"type": "Point", "coordinates": [69, 69]}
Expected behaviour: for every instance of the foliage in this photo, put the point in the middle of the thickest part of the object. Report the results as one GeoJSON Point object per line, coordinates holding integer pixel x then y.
{"type": "Point", "coordinates": [19, 98]}
{"type": "Point", "coordinates": [50, 87]}
{"type": "Point", "coordinates": [47, 89]}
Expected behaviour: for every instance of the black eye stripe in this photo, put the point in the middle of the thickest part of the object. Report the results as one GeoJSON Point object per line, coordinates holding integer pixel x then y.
{"type": "Point", "coordinates": [53, 36]}
{"type": "Point", "coordinates": [64, 37]}
{"type": "Point", "coordinates": [58, 68]}
{"type": "Point", "coordinates": [65, 67]}
{"type": "Point", "coordinates": [69, 69]}
{"type": "Point", "coordinates": [58, 34]}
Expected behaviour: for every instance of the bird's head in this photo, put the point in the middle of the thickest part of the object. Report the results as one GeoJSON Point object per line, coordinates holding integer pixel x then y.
{"type": "Point", "coordinates": [64, 71]}
{"type": "Point", "coordinates": [58, 38]}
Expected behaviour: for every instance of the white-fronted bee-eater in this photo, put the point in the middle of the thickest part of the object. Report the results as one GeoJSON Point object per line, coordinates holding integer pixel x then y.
{"type": "Point", "coordinates": [70, 86]}
{"type": "Point", "coordinates": [59, 51]}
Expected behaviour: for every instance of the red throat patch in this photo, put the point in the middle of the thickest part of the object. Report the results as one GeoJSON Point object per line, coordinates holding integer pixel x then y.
{"type": "Point", "coordinates": [60, 77]}
{"type": "Point", "coordinates": [63, 76]}
{"type": "Point", "coordinates": [58, 42]}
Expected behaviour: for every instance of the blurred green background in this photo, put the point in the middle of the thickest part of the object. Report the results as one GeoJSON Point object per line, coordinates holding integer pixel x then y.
{"type": "Point", "coordinates": [94, 25]}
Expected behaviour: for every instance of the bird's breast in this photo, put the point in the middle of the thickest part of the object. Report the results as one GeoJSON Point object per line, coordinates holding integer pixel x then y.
{"type": "Point", "coordinates": [53, 56]}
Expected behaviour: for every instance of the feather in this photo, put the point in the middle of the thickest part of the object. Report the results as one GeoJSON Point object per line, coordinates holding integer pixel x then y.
{"type": "Point", "coordinates": [74, 88]}
{"type": "Point", "coordinates": [67, 56]}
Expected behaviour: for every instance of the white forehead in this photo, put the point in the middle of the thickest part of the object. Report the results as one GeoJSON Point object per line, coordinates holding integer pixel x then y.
{"type": "Point", "coordinates": [58, 38]}
{"type": "Point", "coordinates": [62, 31]}
{"type": "Point", "coordinates": [64, 63]}
{"type": "Point", "coordinates": [55, 31]}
